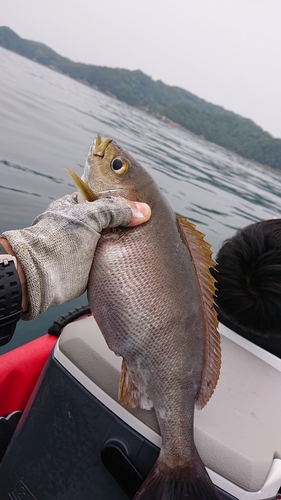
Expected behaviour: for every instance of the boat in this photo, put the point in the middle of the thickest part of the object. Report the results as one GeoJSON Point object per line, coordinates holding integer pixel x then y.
{"type": "Point", "coordinates": [75, 440]}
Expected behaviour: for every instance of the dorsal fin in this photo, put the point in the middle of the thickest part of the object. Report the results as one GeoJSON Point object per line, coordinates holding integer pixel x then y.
{"type": "Point", "coordinates": [201, 257]}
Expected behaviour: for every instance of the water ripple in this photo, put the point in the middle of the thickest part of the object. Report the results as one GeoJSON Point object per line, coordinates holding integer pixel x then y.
{"type": "Point", "coordinates": [20, 191]}
{"type": "Point", "coordinates": [9, 164]}
{"type": "Point", "coordinates": [50, 120]}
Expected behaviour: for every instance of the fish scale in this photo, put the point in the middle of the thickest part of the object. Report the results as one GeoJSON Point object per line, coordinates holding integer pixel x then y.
{"type": "Point", "coordinates": [151, 293]}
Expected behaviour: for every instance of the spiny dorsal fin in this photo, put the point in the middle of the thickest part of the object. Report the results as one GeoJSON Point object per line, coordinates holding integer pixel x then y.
{"type": "Point", "coordinates": [131, 392]}
{"type": "Point", "coordinates": [201, 257]}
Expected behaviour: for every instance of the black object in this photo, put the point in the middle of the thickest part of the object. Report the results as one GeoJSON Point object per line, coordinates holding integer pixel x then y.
{"type": "Point", "coordinates": [65, 319]}
{"type": "Point", "coordinates": [116, 460]}
{"type": "Point", "coordinates": [10, 296]}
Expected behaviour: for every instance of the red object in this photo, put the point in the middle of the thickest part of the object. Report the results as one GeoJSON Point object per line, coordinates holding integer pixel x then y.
{"type": "Point", "coordinates": [20, 370]}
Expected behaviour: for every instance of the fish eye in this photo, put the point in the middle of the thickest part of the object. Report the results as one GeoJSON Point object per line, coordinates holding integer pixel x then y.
{"type": "Point", "coordinates": [119, 165]}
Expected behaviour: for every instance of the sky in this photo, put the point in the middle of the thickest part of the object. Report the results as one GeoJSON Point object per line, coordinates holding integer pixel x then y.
{"type": "Point", "coordinates": [224, 51]}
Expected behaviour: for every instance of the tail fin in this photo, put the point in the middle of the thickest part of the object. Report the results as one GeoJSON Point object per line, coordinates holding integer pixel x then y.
{"type": "Point", "coordinates": [190, 482]}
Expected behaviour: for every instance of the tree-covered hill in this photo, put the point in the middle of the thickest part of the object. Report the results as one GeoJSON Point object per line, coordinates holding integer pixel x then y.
{"type": "Point", "coordinates": [214, 123]}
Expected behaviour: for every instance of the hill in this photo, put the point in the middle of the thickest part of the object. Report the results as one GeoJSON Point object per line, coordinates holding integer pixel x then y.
{"type": "Point", "coordinates": [212, 122]}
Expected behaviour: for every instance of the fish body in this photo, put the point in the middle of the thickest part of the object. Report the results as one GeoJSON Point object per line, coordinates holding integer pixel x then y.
{"type": "Point", "coordinates": [145, 292]}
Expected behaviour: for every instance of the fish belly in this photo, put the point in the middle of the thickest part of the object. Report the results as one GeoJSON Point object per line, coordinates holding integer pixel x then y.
{"type": "Point", "coordinates": [145, 298]}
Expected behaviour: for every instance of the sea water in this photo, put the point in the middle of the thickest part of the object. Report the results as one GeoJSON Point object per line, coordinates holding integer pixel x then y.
{"type": "Point", "coordinates": [47, 123]}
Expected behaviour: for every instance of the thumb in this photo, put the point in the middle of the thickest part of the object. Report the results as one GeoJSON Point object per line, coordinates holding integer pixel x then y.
{"type": "Point", "coordinates": [141, 212]}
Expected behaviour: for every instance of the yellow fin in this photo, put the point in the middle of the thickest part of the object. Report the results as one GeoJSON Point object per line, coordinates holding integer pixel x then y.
{"type": "Point", "coordinates": [131, 392]}
{"type": "Point", "coordinates": [201, 257]}
{"type": "Point", "coordinates": [86, 193]}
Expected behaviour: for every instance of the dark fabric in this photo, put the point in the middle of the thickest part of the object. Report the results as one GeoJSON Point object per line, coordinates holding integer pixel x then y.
{"type": "Point", "coordinates": [8, 425]}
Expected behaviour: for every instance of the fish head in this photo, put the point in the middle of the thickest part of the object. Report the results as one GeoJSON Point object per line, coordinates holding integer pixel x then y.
{"type": "Point", "coordinates": [111, 171]}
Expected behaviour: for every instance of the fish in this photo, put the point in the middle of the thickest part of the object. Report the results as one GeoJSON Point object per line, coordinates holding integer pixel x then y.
{"type": "Point", "coordinates": [152, 294]}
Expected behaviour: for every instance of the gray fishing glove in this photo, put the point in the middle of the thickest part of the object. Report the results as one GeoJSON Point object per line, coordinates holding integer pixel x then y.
{"type": "Point", "coordinates": [57, 250]}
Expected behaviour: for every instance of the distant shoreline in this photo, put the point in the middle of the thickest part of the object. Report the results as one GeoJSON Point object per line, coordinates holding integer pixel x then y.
{"type": "Point", "coordinates": [169, 104]}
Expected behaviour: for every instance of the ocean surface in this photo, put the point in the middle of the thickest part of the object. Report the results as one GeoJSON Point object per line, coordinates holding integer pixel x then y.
{"type": "Point", "coordinates": [47, 123]}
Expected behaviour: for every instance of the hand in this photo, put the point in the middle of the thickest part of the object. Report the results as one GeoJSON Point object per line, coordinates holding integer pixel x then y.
{"type": "Point", "coordinates": [55, 253]}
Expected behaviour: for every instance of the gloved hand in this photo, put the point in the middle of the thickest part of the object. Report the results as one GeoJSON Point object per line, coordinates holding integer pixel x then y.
{"type": "Point", "coordinates": [57, 250]}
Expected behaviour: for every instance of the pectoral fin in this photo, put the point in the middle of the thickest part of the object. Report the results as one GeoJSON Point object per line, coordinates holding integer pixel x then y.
{"type": "Point", "coordinates": [85, 192]}
{"type": "Point", "coordinates": [201, 257]}
{"type": "Point", "coordinates": [131, 391]}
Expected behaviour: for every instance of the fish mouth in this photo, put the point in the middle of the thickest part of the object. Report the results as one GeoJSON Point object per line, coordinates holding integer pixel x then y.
{"type": "Point", "coordinates": [99, 146]}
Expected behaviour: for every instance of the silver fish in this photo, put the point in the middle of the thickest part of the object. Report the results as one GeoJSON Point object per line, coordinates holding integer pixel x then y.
{"type": "Point", "coordinates": [151, 292]}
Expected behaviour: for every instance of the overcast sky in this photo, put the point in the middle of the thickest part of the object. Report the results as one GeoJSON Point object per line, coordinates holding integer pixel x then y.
{"type": "Point", "coordinates": [226, 51]}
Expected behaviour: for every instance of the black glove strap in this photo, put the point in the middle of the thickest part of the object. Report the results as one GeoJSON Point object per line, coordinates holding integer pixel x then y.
{"type": "Point", "coordinates": [10, 296]}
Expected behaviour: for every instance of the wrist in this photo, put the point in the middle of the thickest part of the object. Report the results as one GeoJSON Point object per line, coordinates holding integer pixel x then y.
{"type": "Point", "coordinates": [21, 274]}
